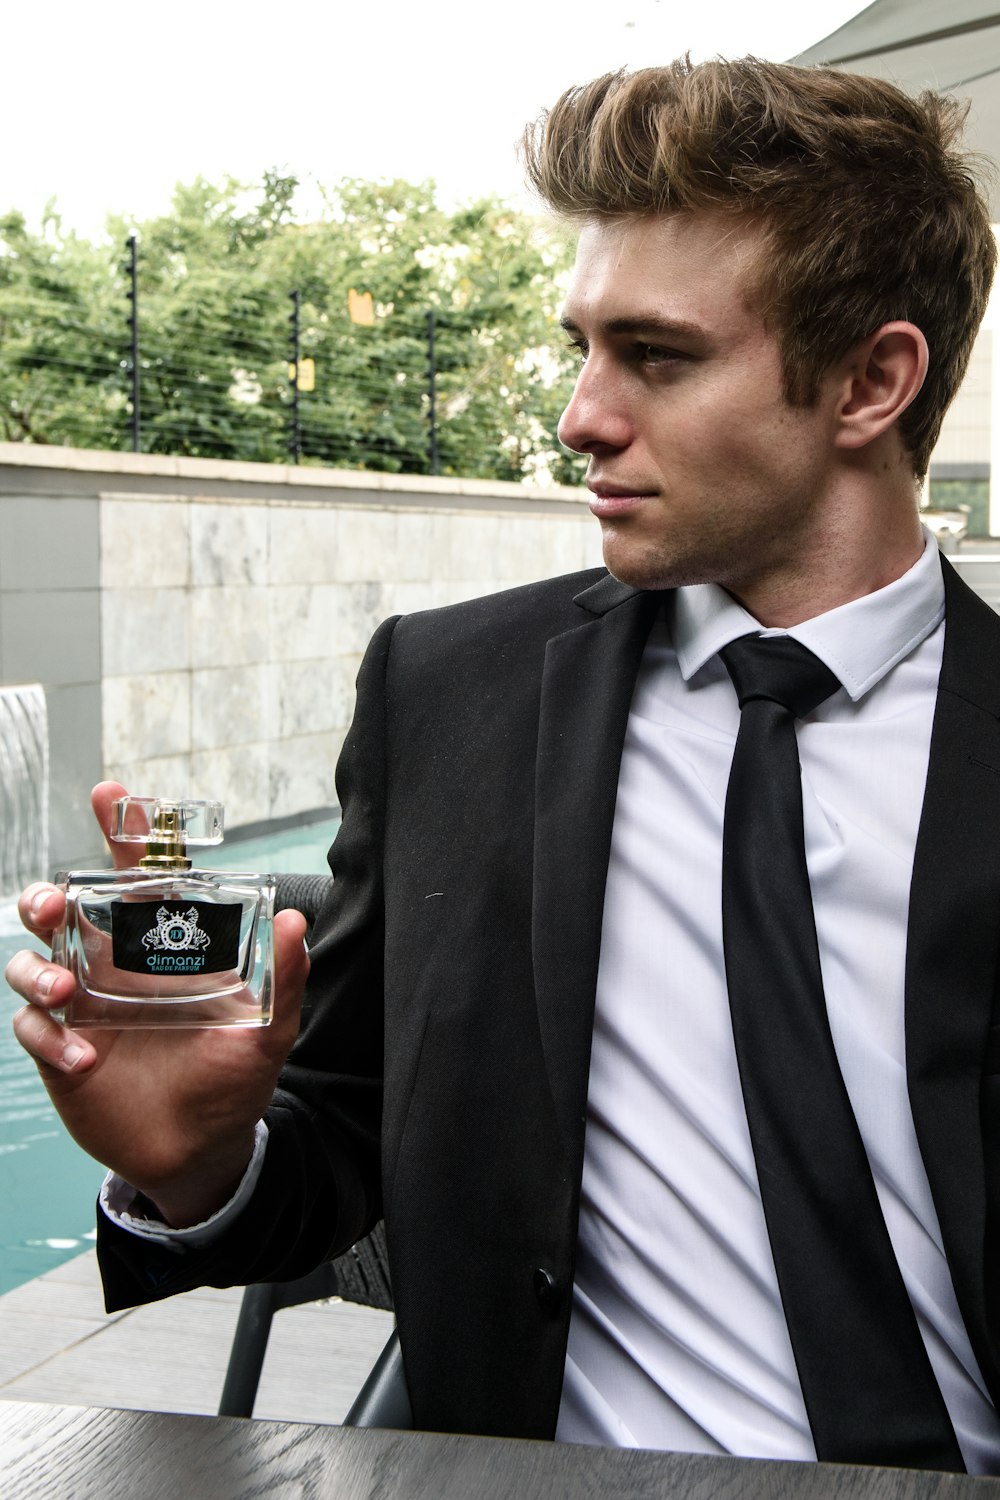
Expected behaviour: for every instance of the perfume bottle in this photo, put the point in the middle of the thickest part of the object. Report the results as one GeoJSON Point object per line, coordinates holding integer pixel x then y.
{"type": "Point", "coordinates": [164, 944]}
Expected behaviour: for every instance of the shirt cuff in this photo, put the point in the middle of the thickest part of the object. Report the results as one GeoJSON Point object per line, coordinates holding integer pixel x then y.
{"type": "Point", "coordinates": [118, 1202]}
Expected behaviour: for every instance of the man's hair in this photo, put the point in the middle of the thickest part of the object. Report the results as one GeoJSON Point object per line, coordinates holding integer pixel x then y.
{"type": "Point", "coordinates": [869, 208]}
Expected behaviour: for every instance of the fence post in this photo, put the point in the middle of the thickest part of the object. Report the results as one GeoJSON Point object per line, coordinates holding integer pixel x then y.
{"type": "Point", "coordinates": [132, 294]}
{"type": "Point", "coordinates": [295, 442]}
{"type": "Point", "coordinates": [432, 392]}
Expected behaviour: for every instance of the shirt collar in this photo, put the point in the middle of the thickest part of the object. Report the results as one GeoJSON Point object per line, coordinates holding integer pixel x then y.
{"type": "Point", "coordinates": [861, 641]}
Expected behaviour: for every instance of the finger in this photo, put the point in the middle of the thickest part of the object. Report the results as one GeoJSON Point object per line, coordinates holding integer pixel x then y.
{"type": "Point", "coordinates": [291, 969]}
{"type": "Point", "coordinates": [43, 984]}
{"type": "Point", "coordinates": [105, 793]}
{"type": "Point", "coordinates": [51, 1044]}
{"type": "Point", "coordinates": [41, 908]}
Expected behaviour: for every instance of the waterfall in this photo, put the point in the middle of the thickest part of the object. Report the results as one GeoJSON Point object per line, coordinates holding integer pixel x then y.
{"type": "Point", "coordinates": [24, 787]}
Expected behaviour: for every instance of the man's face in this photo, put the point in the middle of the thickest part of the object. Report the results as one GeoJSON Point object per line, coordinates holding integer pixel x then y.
{"type": "Point", "coordinates": [700, 470]}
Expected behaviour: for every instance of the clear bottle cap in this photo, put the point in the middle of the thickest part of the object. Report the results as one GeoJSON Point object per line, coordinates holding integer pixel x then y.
{"type": "Point", "coordinates": [144, 820]}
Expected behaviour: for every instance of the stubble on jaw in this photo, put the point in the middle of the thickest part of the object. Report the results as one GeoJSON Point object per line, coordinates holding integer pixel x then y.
{"type": "Point", "coordinates": [760, 557]}
{"type": "Point", "coordinates": [788, 577]}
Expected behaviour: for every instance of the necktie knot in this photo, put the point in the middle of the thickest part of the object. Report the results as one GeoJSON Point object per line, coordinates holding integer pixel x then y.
{"type": "Point", "coordinates": [780, 669]}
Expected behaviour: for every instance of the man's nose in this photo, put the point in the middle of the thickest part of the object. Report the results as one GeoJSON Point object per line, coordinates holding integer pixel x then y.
{"type": "Point", "coordinates": [596, 417]}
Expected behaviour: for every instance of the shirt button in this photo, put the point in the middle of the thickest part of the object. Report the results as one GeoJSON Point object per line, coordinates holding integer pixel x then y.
{"type": "Point", "coordinates": [546, 1289]}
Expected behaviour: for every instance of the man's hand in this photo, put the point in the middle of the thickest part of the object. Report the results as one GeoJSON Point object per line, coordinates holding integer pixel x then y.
{"type": "Point", "coordinates": [171, 1111]}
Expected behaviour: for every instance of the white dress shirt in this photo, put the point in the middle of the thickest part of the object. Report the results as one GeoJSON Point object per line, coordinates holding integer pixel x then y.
{"type": "Point", "coordinates": [677, 1337]}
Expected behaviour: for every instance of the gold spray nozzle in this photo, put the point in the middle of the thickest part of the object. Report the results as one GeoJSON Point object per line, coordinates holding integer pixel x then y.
{"type": "Point", "coordinates": [167, 844]}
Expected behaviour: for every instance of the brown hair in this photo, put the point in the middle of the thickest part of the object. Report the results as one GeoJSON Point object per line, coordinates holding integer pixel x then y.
{"type": "Point", "coordinates": [869, 208]}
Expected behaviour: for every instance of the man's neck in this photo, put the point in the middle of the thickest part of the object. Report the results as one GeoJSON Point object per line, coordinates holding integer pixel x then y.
{"type": "Point", "coordinates": [860, 548]}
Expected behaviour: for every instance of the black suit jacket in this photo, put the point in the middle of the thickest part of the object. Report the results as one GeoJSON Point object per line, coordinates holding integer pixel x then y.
{"type": "Point", "coordinates": [457, 962]}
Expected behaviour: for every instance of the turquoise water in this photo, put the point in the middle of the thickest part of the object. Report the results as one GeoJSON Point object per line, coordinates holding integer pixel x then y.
{"type": "Point", "coordinates": [47, 1184]}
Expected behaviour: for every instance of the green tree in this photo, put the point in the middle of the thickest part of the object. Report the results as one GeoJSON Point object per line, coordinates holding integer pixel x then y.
{"type": "Point", "coordinates": [214, 279]}
{"type": "Point", "coordinates": [62, 338]}
{"type": "Point", "coordinates": [212, 352]}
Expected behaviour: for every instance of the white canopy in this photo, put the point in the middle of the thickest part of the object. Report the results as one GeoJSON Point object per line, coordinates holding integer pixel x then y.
{"type": "Point", "coordinates": [923, 44]}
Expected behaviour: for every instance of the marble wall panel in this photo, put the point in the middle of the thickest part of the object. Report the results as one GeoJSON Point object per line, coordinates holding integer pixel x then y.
{"type": "Point", "coordinates": [304, 621]}
{"type": "Point", "coordinates": [478, 588]}
{"type": "Point", "coordinates": [230, 626]}
{"type": "Point", "coordinates": [367, 546]}
{"type": "Point", "coordinates": [145, 543]}
{"type": "Point", "coordinates": [360, 610]}
{"type": "Point", "coordinates": [312, 696]}
{"type": "Point", "coordinates": [237, 775]}
{"type": "Point", "coordinates": [159, 776]}
{"type": "Point", "coordinates": [144, 630]}
{"type": "Point", "coordinates": [406, 598]}
{"type": "Point", "coordinates": [146, 716]}
{"type": "Point", "coordinates": [229, 706]}
{"type": "Point", "coordinates": [525, 549]}
{"type": "Point", "coordinates": [229, 544]}
{"type": "Point", "coordinates": [423, 540]}
{"type": "Point", "coordinates": [474, 548]}
{"type": "Point", "coordinates": [229, 631]}
{"type": "Point", "coordinates": [242, 686]}
{"type": "Point", "coordinates": [575, 545]}
{"type": "Point", "coordinates": [303, 541]}
{"type": "Point", "coordinates": [302, 773]}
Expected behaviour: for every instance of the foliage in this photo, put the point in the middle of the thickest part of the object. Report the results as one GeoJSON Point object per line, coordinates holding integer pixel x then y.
{"type": "Point", "coordinates": [214, 278]}
{"type": "Point", "coordinates": [60, 341]}
{"type": "Point", "coordinates": [949, 494]}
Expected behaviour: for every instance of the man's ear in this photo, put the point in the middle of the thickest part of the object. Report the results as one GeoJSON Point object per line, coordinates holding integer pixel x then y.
{"type": "Point", "coordinates": [880, 378]}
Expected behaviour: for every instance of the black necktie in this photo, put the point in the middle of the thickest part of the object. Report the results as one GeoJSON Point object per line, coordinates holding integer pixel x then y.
{"type": "Point", "coordinates": [869, 1389]}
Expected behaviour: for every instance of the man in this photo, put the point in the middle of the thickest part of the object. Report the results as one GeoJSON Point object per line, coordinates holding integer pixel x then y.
{"type": "Point", "coordinates": [519, 1043]}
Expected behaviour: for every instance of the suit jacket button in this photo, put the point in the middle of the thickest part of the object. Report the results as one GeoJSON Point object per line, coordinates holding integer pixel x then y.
{"type": "Point", "coordinates": [546, 1289]}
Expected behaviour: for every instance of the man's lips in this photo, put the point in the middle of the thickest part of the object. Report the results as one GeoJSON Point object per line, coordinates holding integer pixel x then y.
{"type": "Point", "coordinates": [608, 500]}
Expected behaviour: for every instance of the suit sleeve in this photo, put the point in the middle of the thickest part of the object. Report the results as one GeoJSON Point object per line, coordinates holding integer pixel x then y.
{"type": "Point", "coordinates": [319, 1190]}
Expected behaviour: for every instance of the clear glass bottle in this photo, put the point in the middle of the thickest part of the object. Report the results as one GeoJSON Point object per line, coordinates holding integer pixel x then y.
{"type": "Point", "coordinates": [164, 944]}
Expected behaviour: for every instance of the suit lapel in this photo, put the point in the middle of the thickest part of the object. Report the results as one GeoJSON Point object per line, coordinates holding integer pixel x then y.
{"type": "Point", "coordinates": [954, 921]}
{"type": "Point", "coordinates": [587, 686]}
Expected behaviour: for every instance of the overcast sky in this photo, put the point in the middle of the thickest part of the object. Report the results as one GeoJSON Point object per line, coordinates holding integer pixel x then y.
{"type": "Point", "coordinates": [105, 106]}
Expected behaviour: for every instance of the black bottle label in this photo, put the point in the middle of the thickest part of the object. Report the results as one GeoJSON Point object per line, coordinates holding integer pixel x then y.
{"type": "Point", "coordinates": [175, 937]}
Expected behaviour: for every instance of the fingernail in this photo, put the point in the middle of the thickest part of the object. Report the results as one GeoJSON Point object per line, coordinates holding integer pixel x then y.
{"type": "Point", "coordinates": [35, 909]}
{"type": "Point", "coordinates": [71, 1055]}
{"type": "Point", "coordinates": [47, 982]}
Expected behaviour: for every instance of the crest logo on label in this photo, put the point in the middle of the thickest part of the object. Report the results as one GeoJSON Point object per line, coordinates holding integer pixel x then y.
{"type": "Point", "coordinates": [176, 930]}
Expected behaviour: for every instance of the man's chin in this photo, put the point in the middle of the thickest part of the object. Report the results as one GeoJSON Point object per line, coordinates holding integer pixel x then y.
{"type": "Point", "coordinates": [659, 567]}
{"type": "Point", "coordinates": [642, 571]}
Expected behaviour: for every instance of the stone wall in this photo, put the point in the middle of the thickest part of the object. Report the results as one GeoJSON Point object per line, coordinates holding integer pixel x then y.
{"type": "Point", "coordinates": [963, 449]}
{"type": "Point", "coordinates": [198, 625]}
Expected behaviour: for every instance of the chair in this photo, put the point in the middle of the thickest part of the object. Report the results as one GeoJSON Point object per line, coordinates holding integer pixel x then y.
{"type": "Point", "coordinates": [361, 1275]}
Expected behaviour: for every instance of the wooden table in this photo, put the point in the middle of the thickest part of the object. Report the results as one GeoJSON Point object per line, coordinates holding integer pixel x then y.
{"type": "Point", "coordinates": [82, 1453]}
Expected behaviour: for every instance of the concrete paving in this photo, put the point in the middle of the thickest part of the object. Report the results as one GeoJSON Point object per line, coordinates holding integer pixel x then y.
{"type": "Point", "coordinates": [57, 1344]}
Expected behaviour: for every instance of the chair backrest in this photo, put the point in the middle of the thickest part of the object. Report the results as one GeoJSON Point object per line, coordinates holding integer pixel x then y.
{"type": "Point", "coordinates": [360, 1275]}
{"type": "Point", "coordinates": [383, 1400]}
{"type": "Point", "coordinates": [363, 1272]}
{"type": "Point", "coordinates": [306, 893]}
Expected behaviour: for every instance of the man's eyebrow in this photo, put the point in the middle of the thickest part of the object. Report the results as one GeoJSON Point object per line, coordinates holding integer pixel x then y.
{"type": "Point", "coordinates": [649, 325]}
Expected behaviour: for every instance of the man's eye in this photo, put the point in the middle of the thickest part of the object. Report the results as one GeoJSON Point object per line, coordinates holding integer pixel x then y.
{"type": "Point", "coordinates": [579, 346]}
{"type": "Point", "coordinates": [654, 354]}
